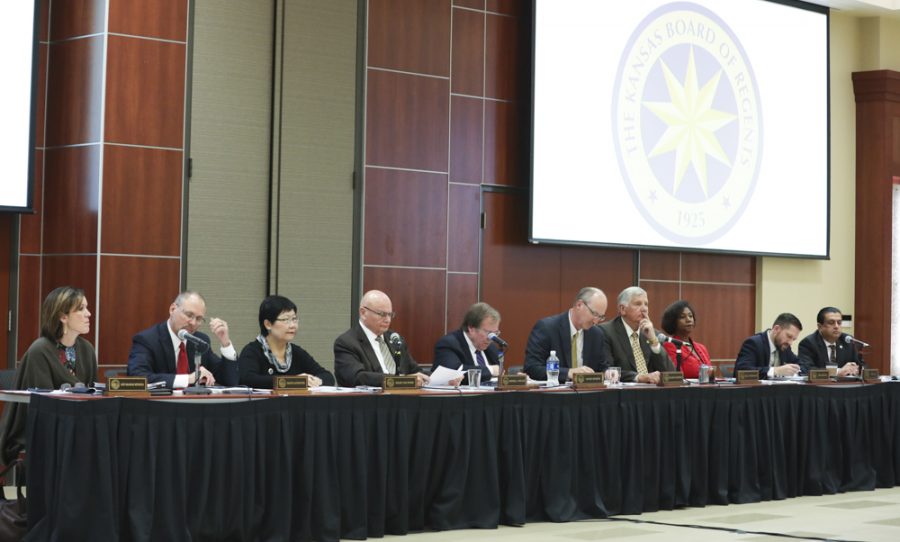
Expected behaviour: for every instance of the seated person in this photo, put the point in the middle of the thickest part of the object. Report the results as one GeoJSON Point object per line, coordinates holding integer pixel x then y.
{"type": "Point", "coordinates": [826, 345]}
{"type": "Point", "coordinates": [574, 335]}
{"type": "Point", "coordinates": [59, 356]}
{"type": "Point", "coordinates": [363, 354]}
{"type": "Point", "coordinates": [769, 351]}
{"type": "Point", "coordinates": [678, 322]}
{"type": "Point", "coordinates": [631, 339]}
{"type": "Point", "coordinates": [273, 353]}
{"type": "Point", "coordinates": [153, 351]}
{"type": "Point", "coordinates": [469, 347]}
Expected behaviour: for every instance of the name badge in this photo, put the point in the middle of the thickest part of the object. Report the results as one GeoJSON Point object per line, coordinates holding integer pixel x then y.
{"type": "Point", "coordinates": [399, 384]}
{"type": "Point", "coordinates": [513, 382]}
{"type": "Point", "coordinates": [747, 376]}
{"type": "Point", "coordinates": [589, 381]}
{"type": "Point", "coordinates": [290, 385]}
{"type": "Point", "coordinates": [819, 376]}
{"type": "Point", "coordinates": [871, 375]}
{"type": "Point", "coordinates": [127, 386]}
{"type": "Point", "coordinates": [669, 379]}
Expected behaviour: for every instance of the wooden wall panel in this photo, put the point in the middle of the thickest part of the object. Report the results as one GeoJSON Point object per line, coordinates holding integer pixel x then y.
{"type": "Point", "coordinates": [719, 268]}
{"type": "Point", "coordinates": [420, 317]}
{"type": "Point", "coordinates": [660, 265]}
{"type": "Point", "coordinates": [508, 7]}
{"type": "Point", "coordinates": [725, 317]}
{"type": "Point", "coordinates": [474, 4]}
{"type": "Point", "coordinates": [410, 35]}
{"type": "Point", "coordinates": [141, 189]}
{"type": "Point", "coordinates": [77, 18]}
{"type": "Point", "coordinates": [406, 121]}
{"type": "Point", "coordinates": [71, 175]}
{"type": "Point", "coordinates": [466, 139]}
{"type": "Point", "coordinates": [44, 26]}
{"type": "Point", "coordinates": [41, 95]}
{"type": "Point", "coordinates": [145, 92]}
{"type": "Point", "coordinates": [611, 270]}
{"type": "Point", "coordinates": [123, 311]}
{"type": "Point", "coordinates": [660, 295]}
{"type": "Point", "coordinates": [464, 227]}
{"type": "Point", "coordinates": [405, 218]}
{"type": "Point", "coordinates": [505, 143]}
{"type": "Point", "coordinates": [468, 52]}
{"type": "Point", "coordinates": [462, 292]}
{"type": "Point", "coordinates": [30, 224]}
{"type": "Point", "coordinates": [75, 75]}
{"type": "Point", "coordinates": [29, 310]}
{"type": "Point", "coordinates": [164, 19]}
{"type": "Point", "coordinates": [506, 74]}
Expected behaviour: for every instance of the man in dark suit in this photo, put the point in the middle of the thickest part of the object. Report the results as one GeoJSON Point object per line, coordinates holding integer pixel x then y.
{"type": "Point", "coordinates": [470, 346]}
{"type": "Point", "coordinates": [574, 336]}
{"type": "Point", "coordinates": [769, 352]}
{"type": "Point", "coordinates": [631, 339]}
{"type": "Point", "coordinates": [826, 345]}
{"type": "Point", "coordinates": [365, 353]}
{"type": "Point", "coordinates": [159, 355]}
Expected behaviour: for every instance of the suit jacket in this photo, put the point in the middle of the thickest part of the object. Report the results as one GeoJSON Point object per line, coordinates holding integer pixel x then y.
{"type": "Point", "coordinates": [256, 371]}
{"type": "Point", "coordinates": [618, 345]}
{"type": "Point", "coordinates": [814, 351]}
{"type": "Point", "coordinates": [452, 351]}
{"type": "Point", "coordinates": [153, 356]}
{"type": "Point", "coordinates": [355, 363]}
{"type": "Point", "coordinates": [755, 354]}
{"type": "Point", "coordinates": [552, 333]}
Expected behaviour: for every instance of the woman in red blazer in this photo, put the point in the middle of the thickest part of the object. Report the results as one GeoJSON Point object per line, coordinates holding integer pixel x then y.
{"type": "Point", "coordinates": [678, 321]}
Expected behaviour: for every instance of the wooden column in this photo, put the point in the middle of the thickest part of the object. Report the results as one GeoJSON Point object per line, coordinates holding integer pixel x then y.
{"type": "Point", "coordinates": [877, 163]}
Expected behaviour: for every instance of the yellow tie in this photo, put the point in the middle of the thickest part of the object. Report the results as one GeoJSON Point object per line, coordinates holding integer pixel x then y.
{"type": "Point", "coordinates": [639, 361]}
{"type": "Point", "coordinates": [575, 350]}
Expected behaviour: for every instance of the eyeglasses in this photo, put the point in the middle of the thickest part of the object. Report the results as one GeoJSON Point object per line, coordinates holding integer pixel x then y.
{"type": "Point", "coordinates": [595, 314]}
{"type": "Point", "coordinates": [191, 316]}
{"type": "Point", "coordinates": [288, 319]}
{"type": "Point", "coordinates": [488, 331]}
{"type": "Point", "coordinates": [381, 314]}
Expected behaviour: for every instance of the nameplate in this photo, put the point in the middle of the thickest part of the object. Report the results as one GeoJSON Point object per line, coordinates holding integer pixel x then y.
{"type": "Point", "coordinates": [397, 383]}
{"type": "Point", "coordinates": [513, 382]}
{"type": "Point", "coordinates": [589, 381]}
{"type": "Point", "coordinates": [290, 385]}
{"type": "Point", "coordinates": [819, 376]}
{"type": "Point", "coordinates": [127, 386]}
{"type": "Point", "coordinates": [871, 375]}
{"type": "Point", "coordinates": [747, 376]}
{"type": "Point", "coordinates": [670, 379]}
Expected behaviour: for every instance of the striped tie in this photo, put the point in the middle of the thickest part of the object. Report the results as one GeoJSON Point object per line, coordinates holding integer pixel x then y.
{"type": "Point", "coordinates": [575, 350]}
{"type": "Point", "coordinates": [389, 364]}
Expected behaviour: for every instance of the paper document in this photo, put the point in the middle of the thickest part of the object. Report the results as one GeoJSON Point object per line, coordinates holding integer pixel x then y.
{"type": "Point", "coordinates": [442, 376]}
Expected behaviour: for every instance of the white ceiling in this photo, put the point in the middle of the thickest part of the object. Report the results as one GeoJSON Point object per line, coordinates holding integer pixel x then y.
{"type": "Point", "coordinates": [884, 8]}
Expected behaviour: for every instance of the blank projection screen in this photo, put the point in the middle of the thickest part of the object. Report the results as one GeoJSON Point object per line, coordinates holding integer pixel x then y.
{"type": "Point", "coordinates": [685, 125]}
{"type": "Point", "coordinates": [17, 64]}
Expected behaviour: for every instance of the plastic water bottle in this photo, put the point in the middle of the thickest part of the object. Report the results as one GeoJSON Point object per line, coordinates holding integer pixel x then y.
{"type": "Point", "coordinates": [553, 369]}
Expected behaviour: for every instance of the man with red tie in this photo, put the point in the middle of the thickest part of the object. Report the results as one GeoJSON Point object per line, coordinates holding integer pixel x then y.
{"type": "Point", "coordinates": [159, 354]}
{"type": "Point", "coordinates": [470, 346]}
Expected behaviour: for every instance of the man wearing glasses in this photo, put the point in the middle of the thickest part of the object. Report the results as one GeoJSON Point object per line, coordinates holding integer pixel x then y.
{"type": "Point", "coordinates": [632, 341]}
{"type": "Point", "coordinates": [365, 352]}
{"type": "Point", "coordinates": [159, 354]}
{"type": "Point", "coordinates": [574, 335]}
{"type": "Point", "coordinates": [470, 346]}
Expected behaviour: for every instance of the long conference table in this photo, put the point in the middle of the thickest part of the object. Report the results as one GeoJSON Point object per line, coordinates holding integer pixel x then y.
{"type": "Point", "coordinates": [324, 467]}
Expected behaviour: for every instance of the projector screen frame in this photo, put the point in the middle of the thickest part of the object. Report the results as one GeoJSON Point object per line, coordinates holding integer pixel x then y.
{"type": "Point", "coordinates": [798, 4]}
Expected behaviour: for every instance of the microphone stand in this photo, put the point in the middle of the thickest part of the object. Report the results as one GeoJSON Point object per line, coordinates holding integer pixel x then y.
{"type": "Point", "coordinates": [678, 358]}
{"type": "Point", "coordinates": [197, 388]}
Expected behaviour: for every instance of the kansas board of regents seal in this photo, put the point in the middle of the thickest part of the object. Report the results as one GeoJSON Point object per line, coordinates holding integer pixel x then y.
{"type": "Point", "coordinates": [687, 123]}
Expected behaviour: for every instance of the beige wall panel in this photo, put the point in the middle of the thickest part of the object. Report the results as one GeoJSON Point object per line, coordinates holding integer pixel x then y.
{"type": "Point", "coordinates": [227, 229]}
{"type": "Point", "coordinates": [315, 199]}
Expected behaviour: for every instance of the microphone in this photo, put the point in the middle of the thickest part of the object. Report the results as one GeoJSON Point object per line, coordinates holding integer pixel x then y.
{"type": "Point", "coordinates": [185, 336]}
{"type": "Point", "coordinates": [663, 338]}
{"type": "Point", "coordinates": [496, 338]}
{"type": "Point", "coordinates": [851, 339]}
{"type": "Point", "coordinates": [396, 342]}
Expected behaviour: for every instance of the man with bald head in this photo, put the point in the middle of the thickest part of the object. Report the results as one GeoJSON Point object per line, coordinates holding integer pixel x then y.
{"type": "Point", "coordinates": [364, 353]}
{"type": "Point", "coordinates": [631, 339]}
{"type": "Point", "coordinates": [574, 335]}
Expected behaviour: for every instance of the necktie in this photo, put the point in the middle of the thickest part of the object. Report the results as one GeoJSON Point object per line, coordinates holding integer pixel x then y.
{"type": "Point", "coordinates": [182, 367]}
{"type": "Point", "coordinates": [389, 364]}
{"type": "Point", "coordinates": [479, 358]}
{"type": "Point", "coordinates": [639, 360]}
{"type": "Point", "coordinates": [575, 350]}
{"type": "Point", "coordinates": [832, 354]}
{"type": "Point", "coordinates": [776, 358]}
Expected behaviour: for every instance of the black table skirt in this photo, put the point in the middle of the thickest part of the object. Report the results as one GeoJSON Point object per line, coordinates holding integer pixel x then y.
{"type": "Point", "coordinates": [323, 468]}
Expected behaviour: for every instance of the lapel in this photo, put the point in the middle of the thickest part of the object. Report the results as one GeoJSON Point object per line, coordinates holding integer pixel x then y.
{"type": "Point", "coordinates": [366, 346]}
{"type": "Point", "coordinates": [823, 349]}
{"type": "Point", "coordinates": [565, 341]}
{"type": "Point", "coordinates": [165, 343]}
{"type": "Point", "coordinates": [464, 346]}
{"type": "Point", "coordinates": [619, 329]}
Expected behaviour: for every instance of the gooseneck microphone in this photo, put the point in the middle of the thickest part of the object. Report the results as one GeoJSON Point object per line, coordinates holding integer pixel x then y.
{"type": "Point", "coordinates": [396, 342]}
{"type": "Point", "coordinates": [496, 338]}
{"type": "Point", "coordinates": [850, 339]}
{"type": "Point", "coordinates": [663, 338]}
{"type": "Point", "coordinates": [184, 335]}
